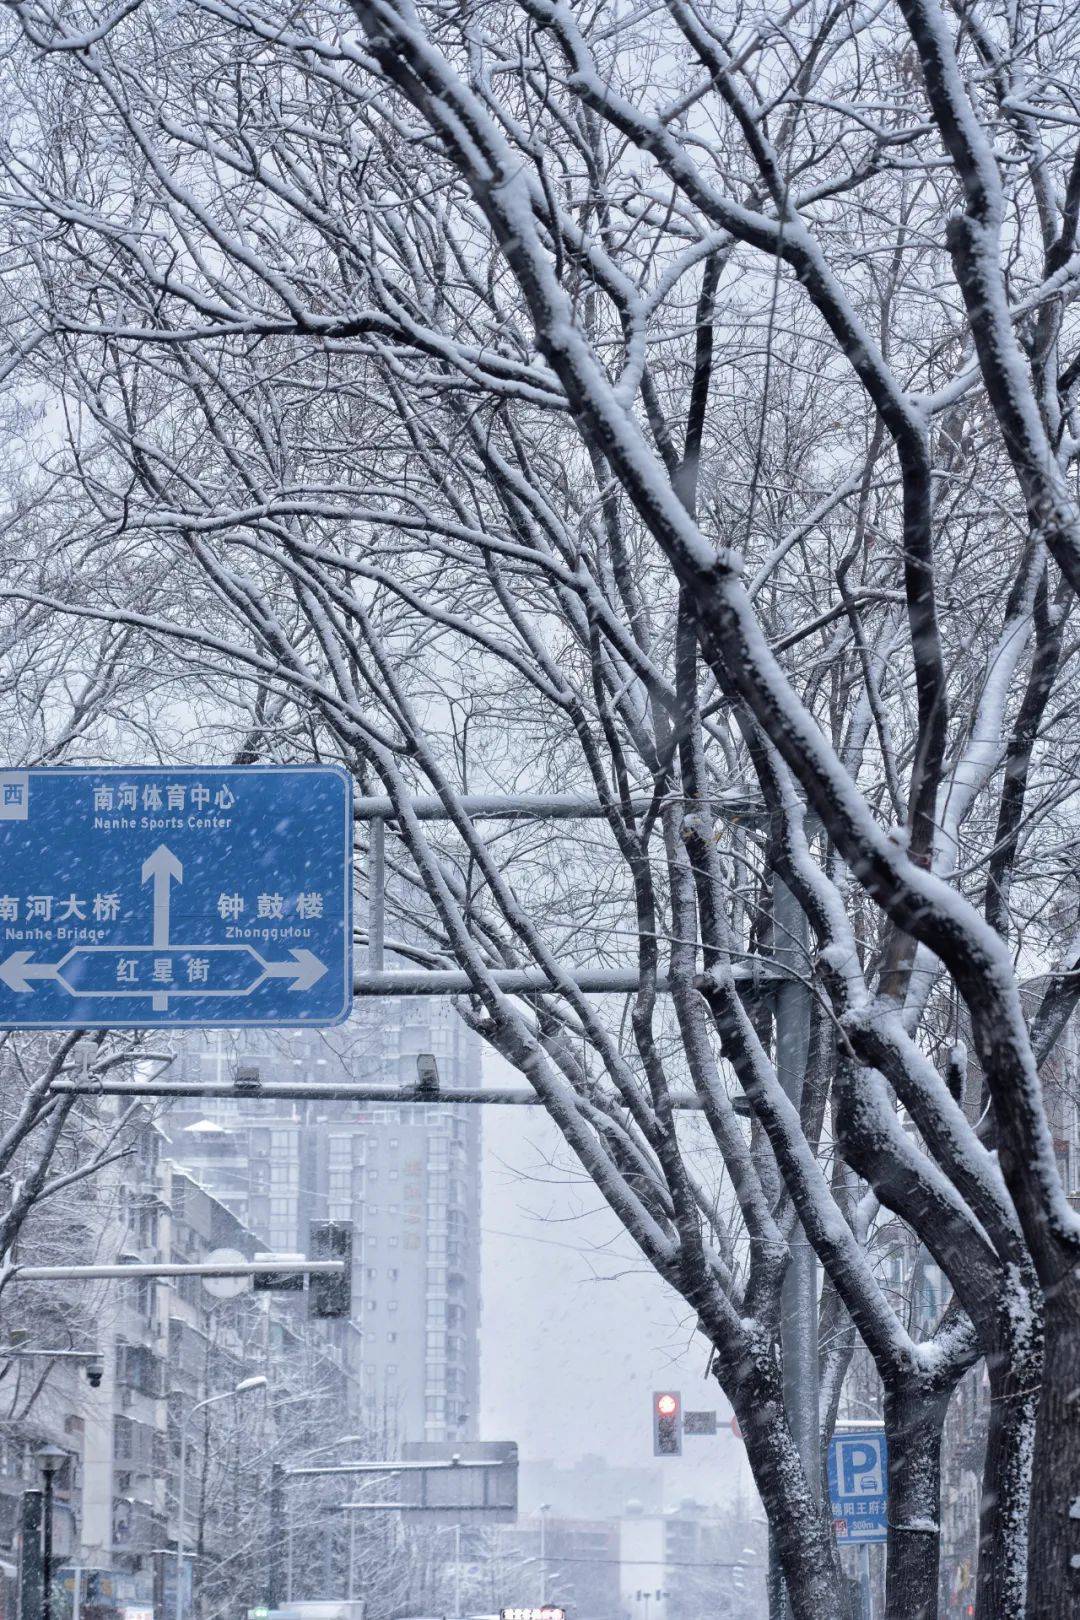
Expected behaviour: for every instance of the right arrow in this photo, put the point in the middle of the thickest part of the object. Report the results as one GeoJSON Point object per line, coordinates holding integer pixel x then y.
{"type": "Point", "coordinates": [305, 969]}
{"type": "Point", "coordinates": [17, 971]}
{"type": "Point", "coordinates": [164, 868]}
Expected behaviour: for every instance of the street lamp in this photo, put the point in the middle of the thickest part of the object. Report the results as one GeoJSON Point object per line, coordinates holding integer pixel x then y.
{"type": "Point", "coordinates": [277, 1514]}
{"type": "Point", "coordinates": [455, 1529]}
{"type": "Point", "coordinates": [243, 1387]}
{"type": "Point", "coordinates": [50, 1460]}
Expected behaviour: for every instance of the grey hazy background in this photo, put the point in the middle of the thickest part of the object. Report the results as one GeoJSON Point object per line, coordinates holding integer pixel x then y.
{"type": "Point", "coordinates": [576, 1333]}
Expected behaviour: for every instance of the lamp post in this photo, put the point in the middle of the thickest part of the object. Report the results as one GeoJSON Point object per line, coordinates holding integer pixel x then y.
{"type": "Point", "coordinates": [242, 1388]}
{"type": "Point", "coordinates": [50, 1460]}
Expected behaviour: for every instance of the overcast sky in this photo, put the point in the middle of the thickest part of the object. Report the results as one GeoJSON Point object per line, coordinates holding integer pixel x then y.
{"type": "Point", "coordinates": [576, 1332]}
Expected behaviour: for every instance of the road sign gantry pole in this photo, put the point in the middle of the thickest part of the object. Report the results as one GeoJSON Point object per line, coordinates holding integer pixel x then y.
{"type": "Point", "coordinates": [280, 1473]}
{"type": "Point", "coordinates": [378, 810]}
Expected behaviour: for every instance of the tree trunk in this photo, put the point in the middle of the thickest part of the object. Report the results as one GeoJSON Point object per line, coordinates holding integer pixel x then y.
{"type": "Point", "coordinates": [1054, 1520]}
{"type": "Point", "coordinates": [1006, 1484]}
{"type": "Point", "coordinates": [914, 1420]}
{"type": "Point", "coordinates": [798, 1535]}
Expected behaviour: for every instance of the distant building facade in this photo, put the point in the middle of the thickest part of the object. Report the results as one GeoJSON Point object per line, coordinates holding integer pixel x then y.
{"type": "Point", "coordinates": [406, 1175]}
{"type": "Point", "coordinates": [589, 1488]}
{"type": "Point", "coordinates": [163, 1345]}
{"type": "Point", "coordinates": [570, 1562]}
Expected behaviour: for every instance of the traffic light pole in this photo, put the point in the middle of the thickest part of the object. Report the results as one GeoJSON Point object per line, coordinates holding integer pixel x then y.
{"type": "Point", "coordinates": [229, 1268]}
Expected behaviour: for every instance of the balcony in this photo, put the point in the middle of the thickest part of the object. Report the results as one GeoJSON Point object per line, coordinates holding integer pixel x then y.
{"type": "Point", "coordinates": [138, 1368]}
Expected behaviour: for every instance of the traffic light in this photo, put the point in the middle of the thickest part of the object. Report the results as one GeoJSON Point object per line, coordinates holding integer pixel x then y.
{"type": "Point", "coordinates": [330, 1292]}
{"type": "Point", "coordinates": [667, 1423]}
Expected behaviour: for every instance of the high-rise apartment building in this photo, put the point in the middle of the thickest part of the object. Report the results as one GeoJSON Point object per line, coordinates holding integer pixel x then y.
{"type": "Point", "coordinates": [405, 1174]}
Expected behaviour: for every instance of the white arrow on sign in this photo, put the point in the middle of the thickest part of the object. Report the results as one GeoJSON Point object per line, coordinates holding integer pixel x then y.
{"type": "Point", "coordinates": [164, 868]}
{"type": "Point", "coordinates": [305, 969]}
{"type": "Point", "coordinates": [17, 971]}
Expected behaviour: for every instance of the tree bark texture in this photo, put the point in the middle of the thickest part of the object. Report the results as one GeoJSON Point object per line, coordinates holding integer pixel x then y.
{"type": "Point", "coordinates": [800, 1539]}
{"type": "Point", "coordinates": [914, 1420]}
{"type": "Point", "coordinates": [1054, 1519]}
{"type": "Point", "coordinates": [1014, 1374]}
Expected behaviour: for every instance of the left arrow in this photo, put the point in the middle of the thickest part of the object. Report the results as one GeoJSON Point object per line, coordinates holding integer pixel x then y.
{"type": "Point", "coordinates": [164, 868]}
{"type": "Point", "coordinates": [17, 971]}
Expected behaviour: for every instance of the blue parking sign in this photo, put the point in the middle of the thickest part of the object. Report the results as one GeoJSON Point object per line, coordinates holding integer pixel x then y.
{"type": "Point", "coordinates": [134, 898]}
{"type": "Point", "coordinates": [858, 1485]}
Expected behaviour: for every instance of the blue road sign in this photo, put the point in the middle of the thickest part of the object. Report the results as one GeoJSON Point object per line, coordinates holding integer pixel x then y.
{"type": "Point", "coordinates": [143, 897]}
{"type": "Point", "coordinates": [858, 1484]}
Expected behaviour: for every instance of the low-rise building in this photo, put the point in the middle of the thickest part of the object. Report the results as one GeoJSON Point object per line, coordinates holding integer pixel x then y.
{"type": "Point", "coordinates": [164, 1346]}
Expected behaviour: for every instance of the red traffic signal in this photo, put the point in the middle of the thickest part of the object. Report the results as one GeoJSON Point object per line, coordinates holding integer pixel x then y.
{"type": "Point", "coordinates": [667, 1423]}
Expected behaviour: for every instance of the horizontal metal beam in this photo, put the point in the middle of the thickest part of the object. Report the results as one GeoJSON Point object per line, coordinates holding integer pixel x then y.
{"type": "Point", "coordinates": [291, 1091]}
{"type": "Point", "coordinates": [540, 806]}
{"type": "Point", "coordinates": [232, 1268]}
{"type": "Point", "coordinates": [385, 1507]}
{"type": "Point", "coordinates": [9, 1351]}
{"type": "Point", "coordinates": [524, 981]}
{"type": "Point", "coordinates": [455, 1463]}
{"type": "Point", "coordinates": [419, 1507]}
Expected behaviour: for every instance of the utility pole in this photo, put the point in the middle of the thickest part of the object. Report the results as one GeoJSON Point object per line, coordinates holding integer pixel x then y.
{"type": "Point", "coordinates": [275, 1595]}
{"type": "Point", "coordinates": [31, 1586]}
{"type": "Point", "coordinates": [243, 1388]}
{"type": "Point", "coordinates": [799, 1299]}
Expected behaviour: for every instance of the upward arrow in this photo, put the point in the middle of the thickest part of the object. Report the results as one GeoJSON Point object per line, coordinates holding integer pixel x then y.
{"type": "Point", "coordinates": [163, 867]}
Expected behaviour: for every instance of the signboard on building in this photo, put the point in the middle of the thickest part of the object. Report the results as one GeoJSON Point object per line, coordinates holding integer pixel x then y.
{"type": "Point", "coordinates": [699, 1423]}
{"type": "Point", "coordinates": [461, 1495]}
{"type": "Point", "coordinates": [165, 897]}
{"type": "Point", "coordinates": [858, 1484]}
